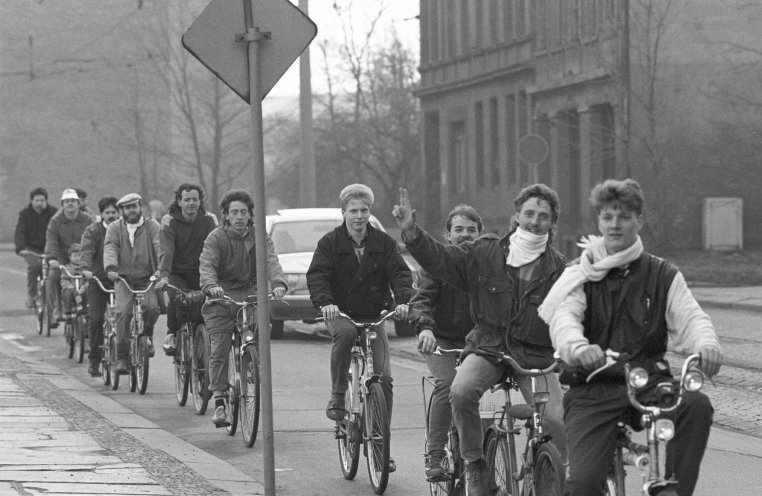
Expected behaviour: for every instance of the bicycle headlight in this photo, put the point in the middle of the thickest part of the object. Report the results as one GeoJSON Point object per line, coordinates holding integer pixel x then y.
{"type": "Point", "coordinates": [693, 380]}
{"type": "Point", "coordinates": [248, 336]}
{"type": "Point", "coordinates": [664, 429]}
{"type": "Point", "coordinates": [638, 377]}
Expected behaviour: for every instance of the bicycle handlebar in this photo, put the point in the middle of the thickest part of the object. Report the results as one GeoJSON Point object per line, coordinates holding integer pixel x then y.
{"type": "Point", "coordinates": [38, 255]}
{"type": "Point", "coordinates": [383, 319]}
{"type": "Point", "coordinates": [101, 285]}
{"type": "Point", "coordinates": [251, 299]}
{"type": "Point", "coordinates": [507, 359]}
{"type": "Point", "coordinates": [72, 276]}
{"type": "Point", "coordinates": [138, 291]}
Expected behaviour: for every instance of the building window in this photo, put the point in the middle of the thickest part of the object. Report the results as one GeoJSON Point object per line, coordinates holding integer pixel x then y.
{"type": "Point", "coordinates": [451, 35]}
{"type": "Point", "coordinates": [433, 23]}
{"type": "Point", "coordinates": [478, 24]}
{"type": "Point", "coordinates": [493, 23]}
{"type": "Point", "coordinates": [464, 28]}
{"type": "Point", "coordinates": [522, 125]}
{"type": "Point", "coordinates": [602, 142]}
{"type": "Point", "coordinates": [522, 19]}
{"type": "Point", "coordinates": [458, 157]}
{"type": "Point", "coordinates": [510, 138]}
{"type": "Point", "coordinates": [479, 136]}
{"type": "Point", "coordinates": [433, 174]}
{"type": "Point", "coordinates": [494, 143]}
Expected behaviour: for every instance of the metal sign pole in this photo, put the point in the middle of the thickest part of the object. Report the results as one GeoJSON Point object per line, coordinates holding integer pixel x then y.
{"type": "Point", "coordinates": [254, 37]}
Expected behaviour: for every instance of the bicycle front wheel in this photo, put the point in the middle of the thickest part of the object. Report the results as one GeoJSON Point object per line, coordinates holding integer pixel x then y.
{"type": "Point", "coordinates": [498, 457]}
{"type": "Point", "coordinates": [80, 326]}
{"type": "Point", "coordinates": [249, 395]}
{"type": "Point", "coordinates": [141, 372]}
{"type": "Point", "coordinates": [348, 436]}
{"type": "Point", "coordinates": [40, 308]}
{"type": "Point", "coordinates": [234, 391]}
{"type": "Point", "coordinates": [200, 350]}
{"type": "Point", "coordinates": [440, 487]}
{"type": "Point", "coordinates": [377, 437]}
{"type": "Point", "coordinates": [181, 362]}
{"type": "Point", "coordinates": [548, 473]}
{"type": "Point", "coordinates": [69, 337]}
{"type": "Point", "coordinates": [112, 358]}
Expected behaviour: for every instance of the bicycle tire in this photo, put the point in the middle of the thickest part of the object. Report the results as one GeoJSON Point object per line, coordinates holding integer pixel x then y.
{"type": "Point", "coordinates": [442, 487]}
{"type": "Point", "coordinates": [234, 391]}
{"type": "Point", "coordinates": [141, 371]}
{"type": "Point", "coordinates": [79, 337]}
{"type": "Point", "coordinates": [181, 365]}
{"type": "Point", "coordinates": [377, 438]}
{"type": "Point", "coordinates": [69, 338]}
{"type": "Point", "coordinates": [113, 358]}
{"type": "Point", "coordinates": [349, 436]}
{"type": "Point", "coordinates": [548, 473]}
{"type": "Point", "coordinates": [200, 350]}
{"type": "Point", "coordinates": [106, 355]}
{"type": "Point", "coordinates": [40, 308]}
{"type": "Point", "coordinates": [250, 389]}
{"type": "Point", "coordinates": [498, 456]}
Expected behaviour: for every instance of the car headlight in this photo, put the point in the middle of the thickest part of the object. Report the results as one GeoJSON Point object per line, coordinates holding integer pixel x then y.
{"type": "Point", "coordinates": [664, 429]}
{"type": "Point", "coordinates": [638, 377]}
{"type": "Point", "coordinates": [693, 380]}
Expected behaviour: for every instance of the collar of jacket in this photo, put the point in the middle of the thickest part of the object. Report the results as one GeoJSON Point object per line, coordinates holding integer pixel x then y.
{"type": "Point", "coordinates": [249, 234]}
{"type": "Point", "coordinates": [81, 216]}
{"type": "Point", "coordinates": [178, 215]}
{"type": "Point", "coordinates": [345, 241]}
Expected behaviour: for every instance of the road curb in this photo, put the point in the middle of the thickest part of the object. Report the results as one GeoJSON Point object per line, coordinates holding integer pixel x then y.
{"type": "Point", "coordinates": [751, 307]}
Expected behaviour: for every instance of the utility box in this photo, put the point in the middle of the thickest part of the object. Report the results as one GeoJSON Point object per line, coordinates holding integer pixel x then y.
{"type": "Point", "coordinates": [723, 224]}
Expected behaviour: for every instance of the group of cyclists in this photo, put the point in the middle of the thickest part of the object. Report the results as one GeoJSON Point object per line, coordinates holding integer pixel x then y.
{"type": "Point", "coordinates": [514, 294]}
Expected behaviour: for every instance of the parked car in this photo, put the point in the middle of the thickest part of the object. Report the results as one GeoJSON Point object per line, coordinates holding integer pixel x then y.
{"type": "Point", "coordinates": [295, 233]}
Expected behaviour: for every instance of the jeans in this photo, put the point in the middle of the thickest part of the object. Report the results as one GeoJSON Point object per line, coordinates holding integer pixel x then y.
{"type": "Point", "coordinates": [344, 335]}
{"type": "Point", "coordinates": [124, 302]}
{"type": "Point", "coordinates": [591, 414]}
{"type": "Point", "coordinates": [442, 368]}
{"type": "Point", "coordinates": [97, 301]}
{"type": "Point", "coordinates": [183, 281]}
{"type": "Point", "coordinates": [33, 270]}
{"type": "Point", "coordinates": [474, 376]}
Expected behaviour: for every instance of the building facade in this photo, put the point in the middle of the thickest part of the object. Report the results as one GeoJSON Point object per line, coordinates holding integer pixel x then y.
{"type": "Point", "coordinates": [496, 71]}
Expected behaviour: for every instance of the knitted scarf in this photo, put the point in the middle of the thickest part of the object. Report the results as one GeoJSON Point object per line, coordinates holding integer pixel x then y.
{"type": "Point", "coordinates": [525, 247]}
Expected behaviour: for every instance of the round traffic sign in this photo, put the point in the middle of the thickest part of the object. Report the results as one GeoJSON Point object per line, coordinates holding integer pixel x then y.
{"type": "Point", "coordinates": [533, 149]}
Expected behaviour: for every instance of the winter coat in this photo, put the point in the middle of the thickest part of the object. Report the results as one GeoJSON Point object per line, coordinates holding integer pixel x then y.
{"type": "Point", "coordinates": [135, 263]}
{"type": "Point", "coordinates": [62, 233]}
{"type": "Point", "coordinates": [31, 228]}
{"type": "Point", "coordinates": [442, 308]}
{"type": "Point", "coordinates": [92, 251]}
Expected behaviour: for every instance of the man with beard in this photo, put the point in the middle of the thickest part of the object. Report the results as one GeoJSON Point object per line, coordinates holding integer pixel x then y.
{"type": "Point", "coordinates": [30, 237]}
{"type": "Point", "coordinates": [131, 251]}
{"type": "Point", "coordinates": [443, 318]}
{"type": "Point", "coordinates": [506, 278]}
{"type": "Point", "coordinates": [92, 266]}
{"type": "Point", "coordinates": [182, 235]}
{"type": "Point", "coordinates": [64, 229]}
{"type": "Point", "coordinates": [228, 265]}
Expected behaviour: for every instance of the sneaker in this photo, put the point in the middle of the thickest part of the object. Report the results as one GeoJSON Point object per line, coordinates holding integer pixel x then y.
{"type": "Point", "coordinates": [151, 349]}
{"type": "Point", "coordinates": [392, 465]}
{"type": "Point", "coordinates": [94, 370]}
{"type": "Point", "coordinates": [435, 471]}
{"type": "Point", "coordinates": [57, 315]}
{"type": "Point", "coordinates": [220, 419]}
{"type": "Point", "coordinates": [335, 409]}
{"type": "Point", "coordinates": [170, 345]}
{"type": "Point", "coordinates": [121, 366]}
{"type": "Point", "coordinates": [477, 478]}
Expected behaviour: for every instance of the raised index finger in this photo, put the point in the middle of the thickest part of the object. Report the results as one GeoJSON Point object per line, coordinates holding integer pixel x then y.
{"type": "Point", "coordinates": [404, 198]}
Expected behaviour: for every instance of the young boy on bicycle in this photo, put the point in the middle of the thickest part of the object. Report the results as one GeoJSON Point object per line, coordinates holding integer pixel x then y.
{"type": "Point", "coordinates": [228, 265]}
{"type": "Point", "coordinates": [68, 286]}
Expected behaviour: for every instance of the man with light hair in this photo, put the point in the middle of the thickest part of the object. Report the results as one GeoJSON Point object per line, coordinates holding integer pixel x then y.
{"type": "Point", "coordinates": [355, 270]}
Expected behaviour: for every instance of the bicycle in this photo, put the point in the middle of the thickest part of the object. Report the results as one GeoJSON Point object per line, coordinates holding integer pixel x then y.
{"type": "Point", "coordinates": [542, 471]}
{"type": "Point", "coordinates": [454, 483]}
{"type": "Point", "coordinates": [109, 357]}
{"type": "Point", "coordinates": [242, 396]}
{"type": "Point", "coordinates": [41, 308]}
{"type": "Point", "coordinates": [192, 355]}
{"type": "Point", "coordinates": [658, 429]}
{"type": "Point", "coordinates": [138, 359]}
{"type": "Point", "coordinates": [367, 421]}
{"type": "Point", "coordinates": [75, 322]}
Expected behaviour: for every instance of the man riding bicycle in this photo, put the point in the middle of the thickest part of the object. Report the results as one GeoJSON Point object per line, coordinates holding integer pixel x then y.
{"type": "Point", "coordinates": [228, 265]}
{"type": "Point", "coordinates": [622, 298]}
{"type": "Point", "coordinates": [92, 266]}
{"type": "Point", "coordinates": [183, 232]}
{"type": "Point", "coordinates": [64, 229]}
{"type": "Point", "coordinates": [506, 278]}
{"type": "Point", "coordinates": [30, 237]}
{"type": "Point", "coordinates": [131, 250]}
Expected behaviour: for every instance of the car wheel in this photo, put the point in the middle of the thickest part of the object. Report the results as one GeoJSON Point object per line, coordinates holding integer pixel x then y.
{"type": "Point", "coordinates": [403, 329]}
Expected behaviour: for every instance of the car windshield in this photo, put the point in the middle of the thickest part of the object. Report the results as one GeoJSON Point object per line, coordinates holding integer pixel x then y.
{"type": "Point", "coordinates": [302, 235]}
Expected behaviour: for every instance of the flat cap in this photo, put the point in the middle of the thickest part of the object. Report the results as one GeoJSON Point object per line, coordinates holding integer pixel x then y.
{"type": "Point", "coordinates": [128, 199]}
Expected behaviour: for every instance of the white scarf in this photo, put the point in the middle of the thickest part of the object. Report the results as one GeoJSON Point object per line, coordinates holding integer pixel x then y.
{"type": "Point", "coordinates": [594, 264]}
{"type": "Point", "coordinates": [131, 228]}
{"type": "Point", "coordinates": [525, 247]}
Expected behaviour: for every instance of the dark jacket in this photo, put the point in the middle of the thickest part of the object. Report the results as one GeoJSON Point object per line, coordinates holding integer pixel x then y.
{"type": "Point", "coordinates": [63, 232]}
{"type": "Point", "coordinates": [31, 227]}
{"type": "Point", "coordinates": [92, 251]}
{"type": "Point", "coordinates": [505, 320]}
{"type": "Point", "coordinates": [442, 308]}
{"type": "Point", "coordinates": [359, 289]}
{"type": "Point", "coordinates": [182, 241]}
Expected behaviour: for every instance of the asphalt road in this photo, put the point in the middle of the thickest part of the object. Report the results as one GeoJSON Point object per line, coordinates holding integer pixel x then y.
{"type": "Point", "coordinates": [306, 456]}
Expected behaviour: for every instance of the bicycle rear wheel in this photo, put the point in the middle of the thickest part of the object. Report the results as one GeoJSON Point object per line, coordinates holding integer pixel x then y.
{"type": "Point", "coordinates": [348, 436]}
{"type": "Point", "coordinates": [69, 338]}
{"type": "Point", "coordinates": [80, 325]}
{"type": "Point", "coordinates": [441, 487]}
{"type": "Point", "coordinates": [499, 464]}
{"type": "Point", "coordinates": [200, 350]}
{"type": "Point", "coordinates": [234, 391]}
{"type": "Point", "coordinates": [141, 371]}
{"type": "Point", "coordinates": [377, 437]}
{"type": "Point", "coordinates": [548, 472]}
{"type": "Point", "coordinates": [182, 364]}
{"type": "Point", "coordinates": [249, 395]}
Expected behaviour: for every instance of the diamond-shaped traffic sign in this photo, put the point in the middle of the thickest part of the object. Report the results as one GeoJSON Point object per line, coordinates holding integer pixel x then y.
{"type": "Point", "coordinates": [212, 40]}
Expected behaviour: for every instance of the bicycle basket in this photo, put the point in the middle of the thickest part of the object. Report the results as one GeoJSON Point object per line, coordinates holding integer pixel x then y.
{"type": "Point", "coordinates": [188, 306]}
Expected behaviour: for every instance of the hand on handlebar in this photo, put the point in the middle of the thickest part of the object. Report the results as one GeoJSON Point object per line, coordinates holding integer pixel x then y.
{"type": "Point", "coordinates": [279, 292]}
{"type": "Point", "coordinates": [711, 360]}
{"type": "Point", "coordinates": [427, 343]}
{"type": "Point", "coordinates": [113, 275]}
{"type": "Point", "coordinates": [53, 264]}
{"type": "Point", "coordinates": [215, 292]}
{"type": "Point", "coordinates": [88, 274]}
{"type": "Point", "coordinates": [590, 356]}
{"type": "Point", "coordinates": [24, 253]}
{"type": "Point", "coordinates": [161, 283]}
{"type": "Point", "coordinates": [330, 312]}
{"type": "Point", "coordinates": [402, 311]}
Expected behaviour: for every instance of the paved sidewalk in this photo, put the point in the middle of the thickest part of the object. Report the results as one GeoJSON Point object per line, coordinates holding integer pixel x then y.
{"type": "Point", "coordinates": [740, 297]}
{"type": "Point", "coordinates": [59, 436]}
